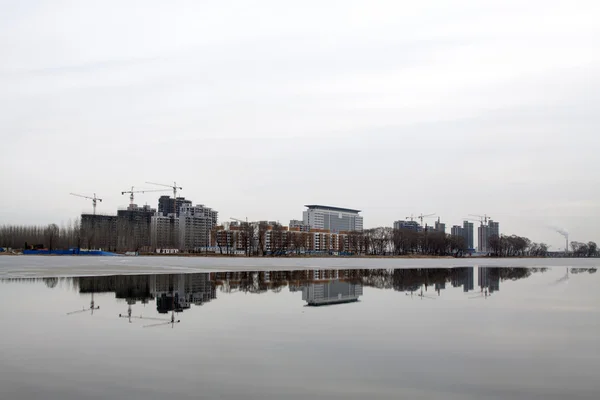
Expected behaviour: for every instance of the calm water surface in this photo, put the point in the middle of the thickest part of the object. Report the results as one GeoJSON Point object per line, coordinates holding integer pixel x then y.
{"type": "Point", "coordinates": [460, 333]}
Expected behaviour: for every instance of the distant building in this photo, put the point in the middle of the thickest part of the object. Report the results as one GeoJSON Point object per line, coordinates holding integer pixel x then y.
{"type": "Point", "coordinates": [457, 230]}
{"type": "Point", "coordinates": [468, 235]}
{"type": "Point", "coordinates": [440, 226]}
{"type": "Point", "coordinates": [167, 205]}
{"type": "Point", "coordinates": [133, 228]}
{"type": "Point", "coordinates": [99, 231]}
{"type": "Point", "coordinates": [408, 225]}
{"type": "Point", "coordinates": [164, 231]}
{"type": "Point", "coordinates": [195, 225]}
{"type": "Point", "coordinates": [299, 225]}
{"type": "Point", "coordinates": [335, 219]}
{"type": "Point", "coordinates": [485, 232]}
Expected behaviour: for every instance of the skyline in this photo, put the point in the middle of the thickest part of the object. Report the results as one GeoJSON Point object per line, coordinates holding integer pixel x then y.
{"type": "Point", "coordinates": [394, 108]}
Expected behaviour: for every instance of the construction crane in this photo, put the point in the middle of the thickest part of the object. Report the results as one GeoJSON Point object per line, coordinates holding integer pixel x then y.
{"type": "Point", "coordinates": [411, 217]}
{"type": "Point", "coordinates": [174, 187]}
{"type": "Point", "coordinates": [239, 220]}
{"type": "Point", "coordinates": [424, 216]}
{"type": "Point", "coordinates": [484, 218]}
{"type": "Point", "coordinates": [93, 307]}
{"type": "Point", "coordinates": [93, 199]}
{"type": "Point", "coordinates": [131, 193]}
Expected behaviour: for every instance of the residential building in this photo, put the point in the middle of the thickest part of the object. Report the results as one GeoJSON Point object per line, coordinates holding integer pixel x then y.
{"type": "Point", "coordinates": [133, 228]}
{"type": "Point", "coordinates": [167, 205]}
{"type": "Point", "coordinates": [195, 225]}
{"type": "Point", "coordinates": [299, 225]}
{"type": "Point", "coordinates": [334, 219]}
{"type": "Point", "coordinates": [467, 233]}
{"type": "Point", "coordinates": [99, 231]}
{"type": "Point", "coordinates": [408, 225]}
{"type": "Point", "coordinates": [457, 230]}
{"type": "Point", "coordinates": [440, 226]}
{"type": "Point", "coordinates": [164, 232]}
{"type": "Point", "coordinates": [485, 232]}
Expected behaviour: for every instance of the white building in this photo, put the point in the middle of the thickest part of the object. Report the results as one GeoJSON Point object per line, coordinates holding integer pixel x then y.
{"type": "Point", "coordinates": [335, 219]}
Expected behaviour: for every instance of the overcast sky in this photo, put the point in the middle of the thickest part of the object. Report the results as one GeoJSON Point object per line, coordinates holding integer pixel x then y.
{"type": "Point", "coordinates": [257, 108]}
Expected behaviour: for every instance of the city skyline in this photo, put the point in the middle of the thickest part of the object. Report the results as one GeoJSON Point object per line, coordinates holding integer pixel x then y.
{"type": "Point", "coordinates": [433, 222]}
{"type": "Point", "coordinates": [393, 108]}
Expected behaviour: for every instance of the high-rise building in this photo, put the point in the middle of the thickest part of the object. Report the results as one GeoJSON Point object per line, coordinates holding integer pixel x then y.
{"type": "Point", "coordinates": [467, 233]}
{"type": "Point", "coordinates": [335, 219]}
{"type": "Point", "coordinates": [164, 232]}
{"type": "Point", "coordinates": [485, 232]}
{"type": "Point", "coordinates": [408, 225]}
{"type": "Point", "coordinates": [440, 226]}
{"type": "Point", "coordinates": [133, 228]}
{"type": "Point", "coordinates": [195, 225]}
{"type": "Point", "coordinates": [457, 230]}
{"type": "Point", "coordinates": [167, 205]}
{"type": "Point", "coordinates": [99, 231]}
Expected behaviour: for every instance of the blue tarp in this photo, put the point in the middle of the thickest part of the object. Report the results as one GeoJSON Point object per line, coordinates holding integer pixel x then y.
{"type": "Point", "coordinates": [70, 252]}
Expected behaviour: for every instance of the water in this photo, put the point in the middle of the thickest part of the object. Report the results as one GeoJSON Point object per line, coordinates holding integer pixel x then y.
{"type": "Point", "coordinates": [461, 333]}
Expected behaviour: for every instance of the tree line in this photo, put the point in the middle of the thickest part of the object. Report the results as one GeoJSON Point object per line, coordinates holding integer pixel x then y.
{"type": "Point", "coordinates": [50, 236]}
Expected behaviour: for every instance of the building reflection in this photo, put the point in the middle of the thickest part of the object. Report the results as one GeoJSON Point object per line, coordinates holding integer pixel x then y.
{"type": "Point", "coordinates": [179, 292]}
{"type": "Point", "coordinates": [329, 287]}
{"type": "Point", "coordinates": [489, 279]}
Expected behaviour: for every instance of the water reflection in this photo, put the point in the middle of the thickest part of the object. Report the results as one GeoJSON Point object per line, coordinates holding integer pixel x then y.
{"type": "Point", "coordinates": [256, 334]}
{"type": "Point", "coordinates": [175, 293]}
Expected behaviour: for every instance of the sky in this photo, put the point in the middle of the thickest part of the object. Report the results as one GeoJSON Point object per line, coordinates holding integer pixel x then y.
{"type": "Point", "coordinates": [258, 108]}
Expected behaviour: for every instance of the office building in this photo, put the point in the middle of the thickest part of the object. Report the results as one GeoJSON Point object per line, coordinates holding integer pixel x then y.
{"type": "Point", "coordinates": [334, 219]}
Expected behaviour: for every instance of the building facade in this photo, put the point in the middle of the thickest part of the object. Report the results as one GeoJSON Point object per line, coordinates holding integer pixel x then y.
{"type": "Point", "coordinates": [485, 232]}
{"type": "Point", "coordinates": [334, 219]}
{"type": "Point", "coordinates": [164, 232]}
{"type": "Point", "coordinates": [134, 227]}
{"type": "Point", "coordinates": [408, 225]}
{"type": "Point", "coordinates": [167, 205]}
{"type": "Point", "coordinates": [195, 226]}
{"type": "Point", "coordinates": [99, 231]}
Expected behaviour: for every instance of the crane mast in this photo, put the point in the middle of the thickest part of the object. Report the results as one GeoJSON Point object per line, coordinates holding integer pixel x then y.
{"type": "Point", "coordinates": [94, 199]}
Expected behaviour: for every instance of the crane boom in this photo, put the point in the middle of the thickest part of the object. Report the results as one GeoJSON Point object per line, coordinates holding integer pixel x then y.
{"type": "Point", "coordinates": [131, 192]}
{"type": "Point", "coordinates": [94, 199]}
{"type": "Point", "coordinates": [421, 217]}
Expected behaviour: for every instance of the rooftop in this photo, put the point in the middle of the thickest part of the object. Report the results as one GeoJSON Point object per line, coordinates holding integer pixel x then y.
{"type": "Point", "coordinates": [330, 208]}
